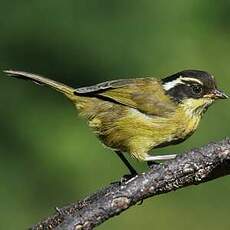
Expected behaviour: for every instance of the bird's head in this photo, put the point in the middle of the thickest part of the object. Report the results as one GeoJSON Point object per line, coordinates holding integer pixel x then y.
{"type": "Point", "coordinates": [193, 89]}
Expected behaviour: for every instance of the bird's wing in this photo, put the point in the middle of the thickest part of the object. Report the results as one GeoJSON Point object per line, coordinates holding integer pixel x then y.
{"type": "Point", "coordinates": [143, 94]}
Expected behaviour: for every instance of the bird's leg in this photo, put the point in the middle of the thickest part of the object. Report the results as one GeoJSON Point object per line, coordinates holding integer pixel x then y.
{"type": "Point", "coordinates": [151, 164]}
{"type": "Point", "coordinates": [132, 171]}
{"type": "Point", "coordinates": [151, 160]}
{"type": "Point", "coordinates": [160, 157]}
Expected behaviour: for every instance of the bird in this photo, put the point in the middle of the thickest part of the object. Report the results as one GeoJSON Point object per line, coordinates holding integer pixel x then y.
{"type": "Point", "coordinates": [137, 115]}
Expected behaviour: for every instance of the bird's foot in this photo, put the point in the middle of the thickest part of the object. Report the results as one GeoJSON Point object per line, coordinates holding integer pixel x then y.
{"type": "Point", "coordinates": [140, 203]}
{"type": "Point", "coordinates": [127, 177]}
{"type": "Point", "coordinates": [124, 179]}
{"type": "Point", "coordinates": [151, 160]}
{"type": "Point", "coordinates": [152, 164]}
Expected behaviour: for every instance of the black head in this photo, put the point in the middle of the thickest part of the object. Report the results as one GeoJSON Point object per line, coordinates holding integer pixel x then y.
{"type": "Point", "coordinates": [192, 84]}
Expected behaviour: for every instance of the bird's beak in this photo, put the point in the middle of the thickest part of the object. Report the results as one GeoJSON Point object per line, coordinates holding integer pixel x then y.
{"type": "Point", "coordinates": [217, 94]}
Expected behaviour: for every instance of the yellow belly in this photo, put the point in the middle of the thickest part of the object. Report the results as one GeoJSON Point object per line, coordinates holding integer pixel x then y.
{"type": "Point", "coordinates": [128, 130]}
{"type": "Point", "coordinates": [143, 133]}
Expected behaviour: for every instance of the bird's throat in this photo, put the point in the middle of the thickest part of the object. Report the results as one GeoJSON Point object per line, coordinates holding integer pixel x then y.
{"type": "Point", "coordinates": [195, 107]}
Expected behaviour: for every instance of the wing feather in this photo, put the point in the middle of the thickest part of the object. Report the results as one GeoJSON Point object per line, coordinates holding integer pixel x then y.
{"type": "Point", "coordinates": [143, 94]}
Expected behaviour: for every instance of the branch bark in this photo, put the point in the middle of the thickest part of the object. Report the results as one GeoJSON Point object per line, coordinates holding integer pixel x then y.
{"type": "Point", "coordinates": [192, 168]}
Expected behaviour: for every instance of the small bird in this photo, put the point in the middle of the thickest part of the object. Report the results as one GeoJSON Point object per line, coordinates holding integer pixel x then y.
{"type": "Point", "coordinates": [137, 115]}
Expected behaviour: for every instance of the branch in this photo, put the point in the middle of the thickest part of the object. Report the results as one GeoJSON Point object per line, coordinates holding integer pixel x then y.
{"type": "Point", "coordinates": [191, 168]}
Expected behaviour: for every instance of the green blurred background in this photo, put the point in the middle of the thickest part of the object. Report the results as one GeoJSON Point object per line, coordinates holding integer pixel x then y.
{"type": "Point", "coordinates": [48, 156]}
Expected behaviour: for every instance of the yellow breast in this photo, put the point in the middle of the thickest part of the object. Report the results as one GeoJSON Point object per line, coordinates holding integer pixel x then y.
{"type": "Point", "coordinates": [129, 130]}
{"type": "Point", "coordinates": [138, 133]}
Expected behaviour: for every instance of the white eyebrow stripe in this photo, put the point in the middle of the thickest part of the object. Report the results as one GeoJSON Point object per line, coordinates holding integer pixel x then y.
{"type": "Point", "coordinates": [180, 80]}
{"type": "Point", "coordinates": [171, 84]}
{"type": "Point", "coordinates": [191, 79]}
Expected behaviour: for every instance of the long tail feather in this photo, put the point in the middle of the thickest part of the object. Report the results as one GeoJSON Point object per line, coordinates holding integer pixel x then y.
{"type": "Point", "coordinates": [67, 90]}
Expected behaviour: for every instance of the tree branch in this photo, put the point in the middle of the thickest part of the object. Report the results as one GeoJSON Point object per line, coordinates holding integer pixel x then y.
{"type": "Point", "coordinates": [191, 168]}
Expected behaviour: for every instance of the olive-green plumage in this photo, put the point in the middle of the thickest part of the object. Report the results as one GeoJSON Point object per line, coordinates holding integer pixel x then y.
{"type": "Point", "coordinates": [144, 118]}
{"type": "Point", "coordinates": [137, 115]}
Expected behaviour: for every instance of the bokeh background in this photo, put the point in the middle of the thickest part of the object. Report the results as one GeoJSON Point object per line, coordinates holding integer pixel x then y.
{"type": "Point", "coordinates": [48, 155]}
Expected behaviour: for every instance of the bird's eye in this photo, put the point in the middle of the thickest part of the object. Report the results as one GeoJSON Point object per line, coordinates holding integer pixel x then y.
{"type": "Point", "coordinates": [197, 89]}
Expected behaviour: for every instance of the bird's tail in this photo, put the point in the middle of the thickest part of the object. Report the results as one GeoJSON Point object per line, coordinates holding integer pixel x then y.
{"type": "Point", "coordinates": [67, 90]}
